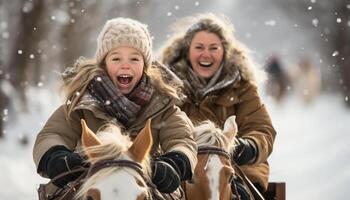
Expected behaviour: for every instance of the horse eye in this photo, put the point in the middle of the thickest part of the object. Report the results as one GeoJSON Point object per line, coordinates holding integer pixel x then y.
{"type": "Point", "coordinates": [89, 198]}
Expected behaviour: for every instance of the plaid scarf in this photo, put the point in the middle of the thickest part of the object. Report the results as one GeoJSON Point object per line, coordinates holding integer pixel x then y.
{"type": "Point", "coordinates": [124, 108]}
{"type": "Point", "coordinates": [197, 88]}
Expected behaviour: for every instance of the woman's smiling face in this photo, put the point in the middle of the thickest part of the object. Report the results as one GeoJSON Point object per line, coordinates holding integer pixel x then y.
{"type": "Point", "coordinates": [206, 53]}
{"type": "Point", "coordinates": [125, 67]}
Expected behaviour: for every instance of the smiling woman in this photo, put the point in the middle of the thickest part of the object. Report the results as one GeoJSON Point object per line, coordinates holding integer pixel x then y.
{"type": "Point", "coordinates": [206, 53]}
{"type": "Point", "coordinates": [219, 81]}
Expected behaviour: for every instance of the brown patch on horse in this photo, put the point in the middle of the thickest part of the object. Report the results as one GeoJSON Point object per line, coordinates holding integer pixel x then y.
{"type": "Point", "coordinates": [88, 137]}
{"type": "Point", "coordinates": [142, 143]}
{"type": "Point", "coordinates": [199, 189]}
{"type": "Point", "coordinates": [93, 194]}
{"type": "Point", "coordinates": [226, 176]}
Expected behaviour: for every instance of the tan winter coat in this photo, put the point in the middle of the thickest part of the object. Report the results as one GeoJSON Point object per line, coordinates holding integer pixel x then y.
{"type": "Point", "coordinates": [171, 128]}
{"type": "Point", "coordinates": [235, 94]}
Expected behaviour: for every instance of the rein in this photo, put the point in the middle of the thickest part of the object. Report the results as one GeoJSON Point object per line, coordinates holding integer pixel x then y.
{"type": "Point", "coordinates": [214, 150]}
{"type": "Point", "coordinates": [153, 192]}
{"type": "Point", "coordinates": [116, 163]}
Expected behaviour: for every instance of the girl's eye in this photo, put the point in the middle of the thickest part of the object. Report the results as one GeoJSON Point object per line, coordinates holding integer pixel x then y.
{"type": "Point", "coordinates": [116, 59]}
{"type": "Point", "coordinates": [135, 59]}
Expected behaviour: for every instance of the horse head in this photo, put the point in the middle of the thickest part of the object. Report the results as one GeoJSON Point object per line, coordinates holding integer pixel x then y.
{"type": "Point", "coordinates": [213, 173]}
{"type": "Point", "coordinates": [119, 167]}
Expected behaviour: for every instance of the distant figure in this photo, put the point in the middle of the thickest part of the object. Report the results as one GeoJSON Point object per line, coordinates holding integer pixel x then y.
{"type": "Point", "coordinates": [278, 79]}
{"type": "Point", "coordinates": [306, 80]}
{"type": "Point", "coordinates": [23, 139]}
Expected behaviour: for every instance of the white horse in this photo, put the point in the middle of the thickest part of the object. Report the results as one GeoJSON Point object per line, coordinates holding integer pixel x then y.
{"type": "Point", "coordinates": [119, 167]}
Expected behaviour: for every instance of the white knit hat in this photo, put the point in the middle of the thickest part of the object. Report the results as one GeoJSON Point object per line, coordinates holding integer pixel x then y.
{"type": "Point", "coordinates": [124, 32]}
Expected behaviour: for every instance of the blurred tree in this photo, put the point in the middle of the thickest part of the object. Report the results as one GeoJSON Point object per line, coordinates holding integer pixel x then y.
{"type": "Point", "coordinates": [342, 45]}
{"type": "Point", "coordinates": [2, 100]}
{"type": "Point", "coordinates": [25, 44]}
{"type": "Point", "coordinates": [76, 33]}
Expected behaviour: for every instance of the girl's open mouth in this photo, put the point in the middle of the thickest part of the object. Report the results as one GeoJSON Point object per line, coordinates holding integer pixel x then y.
{"type": "Point", "coordinates": [124, 79]}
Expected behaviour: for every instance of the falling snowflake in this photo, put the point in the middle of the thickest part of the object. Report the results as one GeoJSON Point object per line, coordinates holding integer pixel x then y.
{"type": "Point", "coordinates": [53, 18]}
{"type": "Point", "coordinates": [40, 84]}
{"type": "Point", "coordinates": [5, 35]}
{"type": "Point", "coordinates": [338, 20]}
{"type": "Point", "coordinates": [31, 56]}
{"type": "Point", "coordinates": [346, 98]}
{"type": "Point", "coordinates": [315, 22]}
{"type": "Point", "coordinates": [20, 52]}
{"type": "Point", "coordinates": [309, 8]}
{"type": "Point", "coordinates": [270, 23]}
{"type": "Point", "coordinates": [108, 102]}
{"type": "Point", "coordinates": [169, 14]}
{"type": "Point", "coordinates": [196, 3]}
{"type": "Point", "coordinates": [5, 112]}
{"type": "Point", "coordinates": [177, 7]}
{"type": "Point", "coordinates": [335, 53]}
{"type": "Point", "coordinates": [98, 79]}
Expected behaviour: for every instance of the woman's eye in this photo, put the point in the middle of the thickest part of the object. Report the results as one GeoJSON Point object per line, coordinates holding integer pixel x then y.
{"type": "Point", "coordinates": [135, 59]}
{"type": "Point", "coordinates": [116, 59]}
{"type": "Point", "coordinates": [198, 47]}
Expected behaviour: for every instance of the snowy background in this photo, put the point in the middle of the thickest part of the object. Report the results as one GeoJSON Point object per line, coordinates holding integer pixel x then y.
{"type": "Point", "coordinates": [311, 152]}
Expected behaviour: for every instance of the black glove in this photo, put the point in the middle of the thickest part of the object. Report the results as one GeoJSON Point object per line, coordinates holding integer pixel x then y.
{"type": "Point", "coordinates": [245, 151]}
{"type": "Point", "coordinates": [169, 170]}
{"type": "Point", "coordinates": [59, 159]}
{"type": "Point", "coordinates": [242, 191]}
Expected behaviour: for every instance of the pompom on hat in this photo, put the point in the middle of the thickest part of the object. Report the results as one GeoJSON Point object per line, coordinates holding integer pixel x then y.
{"type": "Point", "coordinates": [119, 32]}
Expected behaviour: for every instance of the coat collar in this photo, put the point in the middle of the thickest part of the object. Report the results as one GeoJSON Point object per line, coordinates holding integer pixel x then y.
{"type": "Point", "coordinates": [157, 104]}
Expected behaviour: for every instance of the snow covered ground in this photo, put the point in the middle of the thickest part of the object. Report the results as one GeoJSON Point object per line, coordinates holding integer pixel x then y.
{"type": "Point", "coordinates": [311, 152]}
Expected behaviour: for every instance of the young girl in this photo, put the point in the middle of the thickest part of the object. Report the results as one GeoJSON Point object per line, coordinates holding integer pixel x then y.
{"type": "Point", "coordinates": [219, 81]}
{"type": "Point", "coordinates": [121, 85]}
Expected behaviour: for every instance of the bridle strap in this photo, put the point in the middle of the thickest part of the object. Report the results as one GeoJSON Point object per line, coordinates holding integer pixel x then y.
{"type": "Point", "coordinates": [119, 163]}
{"type": "Point", "coordinates": [214, 150]}
{"type": "Point", "coordinates": [122, 163]}
{"type": "Point", "coordinates": [115, 163]}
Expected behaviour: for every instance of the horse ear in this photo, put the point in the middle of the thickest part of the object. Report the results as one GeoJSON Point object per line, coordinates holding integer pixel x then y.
{"type": "Point", "coordinates": [142, 143]}
{"type": "Point", "coordinates": [88, 138]}
{"type": "Point", "coordinates": [230, 128]}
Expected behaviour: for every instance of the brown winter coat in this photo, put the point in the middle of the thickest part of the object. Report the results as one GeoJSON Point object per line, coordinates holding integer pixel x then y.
{"type": "Point", "coordinates": [235, 94]}
{"type": "Point", "coordinates": [171, 129]}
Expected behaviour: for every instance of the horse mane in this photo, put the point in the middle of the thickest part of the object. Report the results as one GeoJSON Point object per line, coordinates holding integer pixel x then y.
{"type": "Point", "coordinates": [208, 134]}
{"type": "Point", "coordinates": [114, 143]}
{"type": "Point", "coordinates": [114, 146]}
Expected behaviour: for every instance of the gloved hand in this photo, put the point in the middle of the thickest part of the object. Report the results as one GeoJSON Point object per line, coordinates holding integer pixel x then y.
{"type": "Point", "coordinates": [169, 170]}
{"type": "Point", "coordinates": [59, 159]}
{"type": "Point", "coordinates": [245, 151]}
{"type": "Point", "coordinates": [242, 190]}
